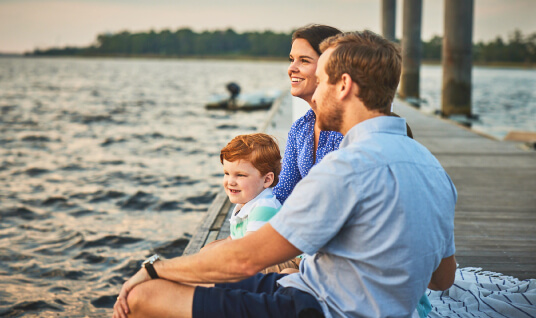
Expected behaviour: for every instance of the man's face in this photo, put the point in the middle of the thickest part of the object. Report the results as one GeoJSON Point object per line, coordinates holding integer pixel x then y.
{"type": "Point", "coordinates": [329, 112]}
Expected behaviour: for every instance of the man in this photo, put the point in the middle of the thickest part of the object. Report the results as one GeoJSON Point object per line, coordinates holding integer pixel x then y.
{"type": "Point", "coordinates": [376, 217]}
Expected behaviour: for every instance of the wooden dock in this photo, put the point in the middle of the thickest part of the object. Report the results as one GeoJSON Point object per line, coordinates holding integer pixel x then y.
{"type": "Point", "coordinates": [495, 223]}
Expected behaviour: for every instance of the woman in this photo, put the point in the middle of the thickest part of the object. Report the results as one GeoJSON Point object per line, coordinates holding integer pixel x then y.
{"type": "Point", "coordinates": [306, 143]}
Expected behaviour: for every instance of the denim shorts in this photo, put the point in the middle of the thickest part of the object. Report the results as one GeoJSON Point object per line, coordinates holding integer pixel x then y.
{"type": "Point", "coordinates": [258, 296]}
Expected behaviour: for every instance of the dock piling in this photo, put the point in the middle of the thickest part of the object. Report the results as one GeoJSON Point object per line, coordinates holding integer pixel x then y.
{"type": "Point", "coordinates": [411, 49]}
{"type": "Point", "coordinates": [389, 19]}
{"type": "Point", "coordinates": [457, 58]}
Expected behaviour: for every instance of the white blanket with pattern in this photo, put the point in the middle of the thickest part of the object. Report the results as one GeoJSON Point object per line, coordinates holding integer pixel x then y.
{"type": "Point", "coordinates": [478, 293]}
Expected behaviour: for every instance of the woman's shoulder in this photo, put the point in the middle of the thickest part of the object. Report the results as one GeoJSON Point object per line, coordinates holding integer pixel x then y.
{"type": "Point", "coordinates": [302, 126]}
{"type": "Point", "coordinates": [304, 120]}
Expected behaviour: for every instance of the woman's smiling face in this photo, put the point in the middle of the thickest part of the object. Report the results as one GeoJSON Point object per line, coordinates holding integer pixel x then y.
{"type": "Point", "coordinates": [303, 59]}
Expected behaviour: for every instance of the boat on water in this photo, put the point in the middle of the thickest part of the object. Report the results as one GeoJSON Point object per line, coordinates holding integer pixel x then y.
{"type": "Point", "coordinates": [256, 100]}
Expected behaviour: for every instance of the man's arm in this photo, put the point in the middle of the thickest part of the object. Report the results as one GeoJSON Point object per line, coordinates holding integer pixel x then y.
{"type": "Point", "coordinates": [230, 261]}
{"type": "Point", "coordinates": [444, 275]}
{"type": "Point", "coordinates": [215, 243]}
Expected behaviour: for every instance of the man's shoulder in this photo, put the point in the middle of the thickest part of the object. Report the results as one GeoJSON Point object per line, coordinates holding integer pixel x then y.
{"type": "Point", "coordinates": [379, 151]}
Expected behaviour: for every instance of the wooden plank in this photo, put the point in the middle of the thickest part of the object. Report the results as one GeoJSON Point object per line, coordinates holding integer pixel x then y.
{"type": "Point", "coordinates": [200, 236]}
{"type": "Point", "coordinates": [524, 160]}
{"type": "Point", "coordinates": [524, 136]}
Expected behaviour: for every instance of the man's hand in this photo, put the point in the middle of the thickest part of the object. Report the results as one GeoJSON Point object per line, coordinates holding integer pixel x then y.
{"type": "Point", "coordinates": [121, 309]}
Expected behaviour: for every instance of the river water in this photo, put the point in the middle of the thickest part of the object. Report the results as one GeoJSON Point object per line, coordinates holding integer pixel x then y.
{"type": "Point", "coordinates": [504, 99]}
{"type": "Point", "coordinates": [102, 163]}
{"type": "Point", "coordinates": [105, 161]}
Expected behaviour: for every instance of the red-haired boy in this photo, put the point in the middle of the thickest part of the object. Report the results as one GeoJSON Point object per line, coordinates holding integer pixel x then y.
{"type": "Point", "coordinates": [251, 166]}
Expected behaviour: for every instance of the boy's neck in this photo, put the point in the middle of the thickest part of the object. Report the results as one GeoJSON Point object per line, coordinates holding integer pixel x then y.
{"type": "Point", "coordinates": [238, 208]}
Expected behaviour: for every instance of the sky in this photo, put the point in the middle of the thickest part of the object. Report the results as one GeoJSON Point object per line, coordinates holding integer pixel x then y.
{"type": "Point", "coordinates": [29, 24]}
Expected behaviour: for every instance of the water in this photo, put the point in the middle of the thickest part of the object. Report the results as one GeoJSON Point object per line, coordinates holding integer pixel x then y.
{"type": "Point", "coordinates": [104, 162]}
{"type": "Point", "coordinates": [504, 99]}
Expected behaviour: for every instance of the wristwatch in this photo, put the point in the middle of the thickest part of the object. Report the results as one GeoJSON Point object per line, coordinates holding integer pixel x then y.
{"type": "Point", "coordinates": [148, 264]}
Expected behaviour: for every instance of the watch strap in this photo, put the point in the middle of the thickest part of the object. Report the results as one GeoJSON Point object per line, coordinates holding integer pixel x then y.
{"type": "Point", "coordinates": [150, 269]}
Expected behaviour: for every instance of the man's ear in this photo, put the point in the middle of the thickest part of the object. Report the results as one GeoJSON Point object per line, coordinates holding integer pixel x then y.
{"type": "Point", "coordinates": [268, 179]}
{"type": "Point", "coordinates": [346, 86]}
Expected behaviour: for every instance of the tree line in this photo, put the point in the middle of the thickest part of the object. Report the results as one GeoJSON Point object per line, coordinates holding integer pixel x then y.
{"type": "Point", "coordinates": [184, 42]}
{"type": "Point", "coordinates": [518, 48]}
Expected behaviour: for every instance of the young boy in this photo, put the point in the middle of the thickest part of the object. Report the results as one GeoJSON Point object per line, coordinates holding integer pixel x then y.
{"type": "Point", "coordinates": [251, 166]}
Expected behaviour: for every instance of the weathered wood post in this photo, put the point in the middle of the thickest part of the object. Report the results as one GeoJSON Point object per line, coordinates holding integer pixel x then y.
{"type": "Point", "coordinates": [411, 49]}
{"type": "Point", "coordinates": [389, 19]}
{"type": "Point", "coordinates": [457, 58]}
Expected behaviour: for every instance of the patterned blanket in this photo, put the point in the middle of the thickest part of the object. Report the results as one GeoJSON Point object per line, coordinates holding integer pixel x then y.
{"type": "Point", "coordinates": [478, 293]}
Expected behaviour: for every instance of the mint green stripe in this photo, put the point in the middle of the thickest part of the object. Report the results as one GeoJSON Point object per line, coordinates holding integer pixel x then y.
{"type": "Point", "coordinates": [239, 230]}
{"type": "Point", "coordinates": [424, 307]}
{"type": "Point", "coordinates": [262, 214]}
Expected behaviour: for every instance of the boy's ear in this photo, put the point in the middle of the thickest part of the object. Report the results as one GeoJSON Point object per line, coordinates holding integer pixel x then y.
{"type": "Point", "coordinates": [268, 179]}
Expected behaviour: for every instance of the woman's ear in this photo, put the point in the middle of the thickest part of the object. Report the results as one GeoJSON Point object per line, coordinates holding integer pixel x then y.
{"type": "Point", "coordinates": [268, 179]}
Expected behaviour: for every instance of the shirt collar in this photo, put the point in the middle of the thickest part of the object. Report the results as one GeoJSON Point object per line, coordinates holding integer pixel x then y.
{"type": "Point", "coordinates": [310, 114]}
{"type": "Point", "coordinates": [244, 211]}
{"type": "Point", "coordinates": [381, 124]}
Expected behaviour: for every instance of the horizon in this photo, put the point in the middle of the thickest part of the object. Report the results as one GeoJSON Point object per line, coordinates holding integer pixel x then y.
{"type": "Point", "coordinates": [26, 25]}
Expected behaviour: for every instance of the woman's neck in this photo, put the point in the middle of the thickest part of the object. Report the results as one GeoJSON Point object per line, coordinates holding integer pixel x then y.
{"type": "Point", "coordinates": [316, 139]}
{"type": "Point", "coordinates": [316, 136]}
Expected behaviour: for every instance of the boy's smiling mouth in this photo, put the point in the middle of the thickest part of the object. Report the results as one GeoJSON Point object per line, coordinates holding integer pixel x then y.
{"type": "Point", "coordinates": [234, 191]}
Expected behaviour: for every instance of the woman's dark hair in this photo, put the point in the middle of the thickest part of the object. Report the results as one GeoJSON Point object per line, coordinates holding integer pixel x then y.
{"type": "Point", "coordinates": [315, 34]}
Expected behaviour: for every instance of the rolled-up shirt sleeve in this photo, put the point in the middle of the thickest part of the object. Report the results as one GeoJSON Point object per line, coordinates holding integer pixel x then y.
{"type": "Point", "coordinates": [316, 211]}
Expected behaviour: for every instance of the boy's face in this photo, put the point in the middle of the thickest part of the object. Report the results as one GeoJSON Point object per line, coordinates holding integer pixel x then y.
{"type": "Point", "coordinates": [242, 181]}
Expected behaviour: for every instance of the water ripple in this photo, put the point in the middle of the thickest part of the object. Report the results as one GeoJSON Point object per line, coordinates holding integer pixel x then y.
{"type": "Point", "coordinates": [102, 163]}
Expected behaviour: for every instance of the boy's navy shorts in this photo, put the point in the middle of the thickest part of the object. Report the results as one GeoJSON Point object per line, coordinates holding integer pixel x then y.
{"type": "Point", "coordinates": [258, 296]}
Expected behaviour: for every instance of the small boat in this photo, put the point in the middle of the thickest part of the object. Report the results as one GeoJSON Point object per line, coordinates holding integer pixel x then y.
{"type": "Point", "coordinates": [256, 100]}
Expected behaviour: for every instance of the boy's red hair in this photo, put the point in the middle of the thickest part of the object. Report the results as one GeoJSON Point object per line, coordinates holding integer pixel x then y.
{"type": "Point", "coordinates": [259, 149]}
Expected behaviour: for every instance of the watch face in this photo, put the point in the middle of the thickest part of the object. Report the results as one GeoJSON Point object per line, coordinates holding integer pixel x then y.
{"type": "Point", "coordinates": [151, 259]}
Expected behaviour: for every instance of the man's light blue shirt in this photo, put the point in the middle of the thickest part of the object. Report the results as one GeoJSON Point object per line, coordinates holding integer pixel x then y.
{"type": "Point", "coordinates": [376, 217]}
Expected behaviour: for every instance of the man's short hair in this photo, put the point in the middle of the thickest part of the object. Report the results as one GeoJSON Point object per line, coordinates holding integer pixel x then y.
{"type": "Point", "coordinates": [373, 62]}
{"type": "Point", "coordinates": [261, 150]}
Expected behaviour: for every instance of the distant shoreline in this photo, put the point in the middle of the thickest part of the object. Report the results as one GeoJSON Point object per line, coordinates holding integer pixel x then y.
{"type": "Point", "coordinates": [249, 58]}
{"type": "Point", "coordinates": [162, 57]}
{"type": "Point", "coordinates": [490, 64]}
